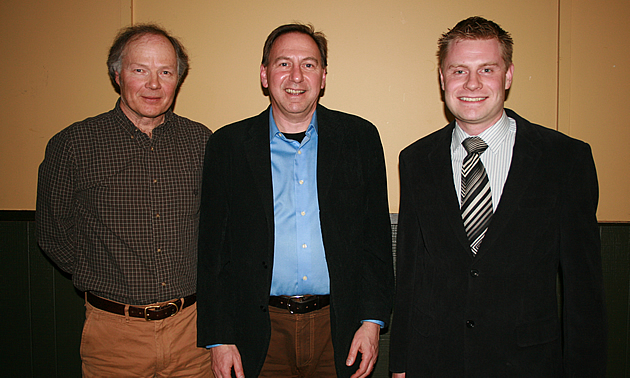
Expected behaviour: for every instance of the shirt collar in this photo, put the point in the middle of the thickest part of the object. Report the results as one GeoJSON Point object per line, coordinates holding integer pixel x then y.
{"type": "Point", "coordinates": [274, 131]}
{"type": "Point", "coordinates": [131, 128]}
{"type": "Point", "coordinates": [493, 136]}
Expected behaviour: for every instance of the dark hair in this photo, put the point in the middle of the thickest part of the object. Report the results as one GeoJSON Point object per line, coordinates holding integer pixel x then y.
{"type": "Point", "coordinates": [132, 33]}
{"type": "Point", "coordinates": [308, 29]}
{"type": "Point", "coordinates": [476, 28]}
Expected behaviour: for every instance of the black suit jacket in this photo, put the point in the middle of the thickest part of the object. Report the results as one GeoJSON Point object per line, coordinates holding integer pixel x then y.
{"type": "Point", "coordinates": [496, 314]}
{"type": "Point", "coordinates": [237, 234]}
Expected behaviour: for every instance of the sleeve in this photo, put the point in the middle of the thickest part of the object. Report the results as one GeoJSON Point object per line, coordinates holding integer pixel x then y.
{"type": "Point", "coordinates": [378, 271]}
{"type": "Point", "coordinates": [584, 316]}
{"type": "Point", "coordinates": [409, 239]}
{"type": "Point", "coordinates": [214, 325]}
{"type": "Point", "coordinates": [55, 212]}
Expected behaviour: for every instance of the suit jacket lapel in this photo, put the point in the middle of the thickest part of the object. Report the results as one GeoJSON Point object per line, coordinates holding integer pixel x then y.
{"type": "Point", "coordinates": [257, 150]}
{"type": "Point", "coordinates": [331, 135]}
{"type": "Point", "coordinates": [441, 169]}
{"type": "Point", "coordinates": [524, 160]}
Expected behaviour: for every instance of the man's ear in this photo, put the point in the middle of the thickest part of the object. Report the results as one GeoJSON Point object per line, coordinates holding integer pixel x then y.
{"type": "Point", "coordinates": [324, 78]}
{"type": "Point", "coordinates": [263, 76]}
{"type": "Point", "coordinates": [509, 74]}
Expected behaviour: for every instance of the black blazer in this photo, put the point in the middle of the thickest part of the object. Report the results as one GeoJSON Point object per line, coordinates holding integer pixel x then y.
{"type": "Point", "coordinates": [497, 315]}
{"type": "Point", "coordinates": [236, 234]}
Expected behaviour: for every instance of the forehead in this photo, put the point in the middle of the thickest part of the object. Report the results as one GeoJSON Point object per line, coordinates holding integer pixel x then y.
{"type": "Point", "coordinates": [150, 46]}
{"type": "Point", "coordinates": [294, 44]}
{"type": "Point", "coordinates": [467, 51]}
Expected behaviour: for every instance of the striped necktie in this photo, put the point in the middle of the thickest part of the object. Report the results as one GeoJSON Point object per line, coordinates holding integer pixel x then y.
{"type": "Point", "coordinates": [476, 197]}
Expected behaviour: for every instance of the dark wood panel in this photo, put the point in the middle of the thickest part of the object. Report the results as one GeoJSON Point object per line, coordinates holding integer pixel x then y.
{"type": "Point", "coordinates": [616, 268]}
{"type": "Point", "coordinates": [15, 349]}
{"type": "Point", "coordinates": [42, 310]}
{"type": "Point", "coordinates": [42, 327]}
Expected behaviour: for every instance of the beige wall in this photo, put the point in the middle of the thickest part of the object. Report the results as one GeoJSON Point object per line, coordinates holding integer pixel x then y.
{"type": "Point", "coordinates": [382, 67]}
{"type": "Point", "coordinates": [594, 89]}
{"type": "Point", "coordinates": [53, 59]}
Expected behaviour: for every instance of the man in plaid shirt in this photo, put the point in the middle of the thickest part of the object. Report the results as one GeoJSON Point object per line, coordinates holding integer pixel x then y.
{"type": "Point", "coordinates": [117, 208]}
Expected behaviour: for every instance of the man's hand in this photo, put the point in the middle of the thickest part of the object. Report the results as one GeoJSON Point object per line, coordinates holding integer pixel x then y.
{"type": "Point", "coordinates": [365, 341]}
{"type": "Point", "coordinates": [224, 358]}
{"type": "Point", "coordinates": [399, 375]}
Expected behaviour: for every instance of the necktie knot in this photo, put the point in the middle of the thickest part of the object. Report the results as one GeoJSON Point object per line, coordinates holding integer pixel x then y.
{"type": "Point", "coordinates": [474, 145]}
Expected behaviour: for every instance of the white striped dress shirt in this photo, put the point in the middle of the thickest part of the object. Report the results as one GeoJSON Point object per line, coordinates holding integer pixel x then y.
{"type": "Point", "coordinates": [496, 159]}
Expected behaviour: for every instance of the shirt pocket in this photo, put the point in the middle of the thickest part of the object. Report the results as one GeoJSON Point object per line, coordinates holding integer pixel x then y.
{"type": "Point", "coordinates": [188, 191]}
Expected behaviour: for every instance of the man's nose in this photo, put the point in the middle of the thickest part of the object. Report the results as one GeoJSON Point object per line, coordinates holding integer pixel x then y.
{"type": "Point", "coordinates": [473, 82]}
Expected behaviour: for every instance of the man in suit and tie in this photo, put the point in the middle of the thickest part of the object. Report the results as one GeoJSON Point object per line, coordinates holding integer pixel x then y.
{"type": "Point", "coordinates": [295, 266]}
{"type": "Point", "coordinates": [493, 209]}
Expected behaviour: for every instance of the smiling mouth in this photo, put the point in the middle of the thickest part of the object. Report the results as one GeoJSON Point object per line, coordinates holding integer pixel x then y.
{"type": "Point", "coordinates": [294, 91]}
{"type": "Point", "coordinates": [472, 99]}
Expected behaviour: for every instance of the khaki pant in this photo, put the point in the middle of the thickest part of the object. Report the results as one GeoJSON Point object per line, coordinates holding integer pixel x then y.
{"type": "Point", "coordinates": [300, 346]}
{"type": "Point", "coordinates": [120, 346]}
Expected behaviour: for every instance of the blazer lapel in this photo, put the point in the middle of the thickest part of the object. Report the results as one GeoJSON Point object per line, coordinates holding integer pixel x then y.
{"type": "Point", "coordinates": [257, 150]}
{"type": "Point", "coordinates": [330, 134]}
{"type": "Point", "coordinates": [441, 169]}
{"type": "Point", "coordinates": [524, 161]}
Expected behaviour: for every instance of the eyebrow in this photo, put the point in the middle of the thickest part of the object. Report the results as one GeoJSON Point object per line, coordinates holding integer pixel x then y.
{"type": "Point", "coordinates": [466, 65]}
{"type": "Point", "coordinates": [305, 59]}
{"type": "Point", "coordinates": [149, 64]}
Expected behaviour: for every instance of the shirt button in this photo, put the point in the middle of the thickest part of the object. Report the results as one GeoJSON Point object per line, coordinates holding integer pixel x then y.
{"type": "Point", "coordinates": [470, 324]}
{"type": "Point", "coordinates": [304, 245]}
{"type": "Point", "coordinates": [304, 278]}
{"type": "Point", "coordinates": [163, 284]}
{"type": "Point", "coordinates": [474, 273]}
{"type": "Point", "coordinates": [301, 182]}
{"type": "Point", "coordinates": [299, 152]}
{"type": "Point", "coordinates": [151, 148]}
{"type": "Point", "coordinates": [155, 181]}
{"type": "Point", "coordinates": [303, 213]}
{"type": "Point", "coordinates": [159, 249]}
{"type": "Point", "coordinates": [157, 215]}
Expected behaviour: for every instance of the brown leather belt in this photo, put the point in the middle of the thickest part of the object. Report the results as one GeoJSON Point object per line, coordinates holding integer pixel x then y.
{"type": "Point", "coordinates": [300, 304]}
{"type": "Point", "coordinates": [147, 312]}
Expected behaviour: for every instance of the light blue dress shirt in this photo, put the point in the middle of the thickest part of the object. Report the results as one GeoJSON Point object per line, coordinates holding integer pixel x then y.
{"type": "Point", "coordinates": [299, 262]}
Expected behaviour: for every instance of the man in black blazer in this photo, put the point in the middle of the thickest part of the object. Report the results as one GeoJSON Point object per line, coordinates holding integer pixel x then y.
{"type": "Point", "coordinates": [476, 285]}
{"type": "Point", "coordinates": [295, 273]}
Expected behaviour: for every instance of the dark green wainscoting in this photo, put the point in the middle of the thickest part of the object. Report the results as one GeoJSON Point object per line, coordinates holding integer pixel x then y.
{"type": "Point", "coordinates": [42, 313]}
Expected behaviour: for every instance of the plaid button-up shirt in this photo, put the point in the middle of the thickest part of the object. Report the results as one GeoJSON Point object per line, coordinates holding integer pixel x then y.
{"type": "Point", "coordinates": [119, 210]}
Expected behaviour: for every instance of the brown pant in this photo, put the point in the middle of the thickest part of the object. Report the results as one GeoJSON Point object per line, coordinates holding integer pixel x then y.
{"type": "Point", "coordinates": [121, 346]}
{"type": "Point", "coordinates": [300, 346]}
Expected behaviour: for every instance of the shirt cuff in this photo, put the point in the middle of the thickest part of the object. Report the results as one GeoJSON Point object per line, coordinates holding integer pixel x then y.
{"type": "Point", "coordinates": [380, 323]}
{"type": "Point", "coordinates": [212, 346]}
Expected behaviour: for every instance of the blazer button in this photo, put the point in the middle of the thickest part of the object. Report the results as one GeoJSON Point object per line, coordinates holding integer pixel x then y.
{"type": "Point", "coordinates": [474, 273]}
{"type": "Point", "coordinates": [470, 324]}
